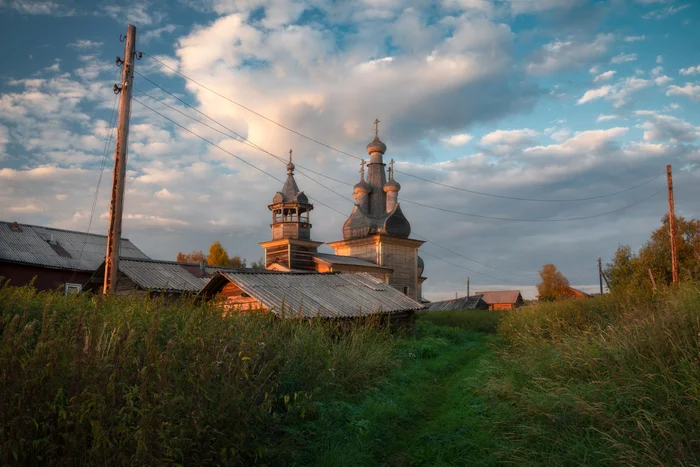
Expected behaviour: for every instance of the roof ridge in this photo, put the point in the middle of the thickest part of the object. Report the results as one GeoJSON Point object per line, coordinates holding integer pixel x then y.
{"type": "Point", "coordinates": [56, 228]}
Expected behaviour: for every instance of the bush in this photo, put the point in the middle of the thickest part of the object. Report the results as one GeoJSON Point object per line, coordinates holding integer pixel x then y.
{"type": "Point", "coordinates": [113, 380]}
{"type": "Point", "coordinates": [615, 378]}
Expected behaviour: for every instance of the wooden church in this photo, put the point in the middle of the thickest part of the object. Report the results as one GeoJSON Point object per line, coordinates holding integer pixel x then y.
{"type": "Point", "coordinates": [375, 235]}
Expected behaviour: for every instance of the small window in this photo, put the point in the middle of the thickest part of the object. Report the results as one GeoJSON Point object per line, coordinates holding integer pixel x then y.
{"type": "Point", "coordinates": [73, 288]}
{"type": "Point", "coordinates": [405, 290]}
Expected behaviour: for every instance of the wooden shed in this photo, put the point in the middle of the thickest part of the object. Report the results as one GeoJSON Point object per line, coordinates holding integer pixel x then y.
{"type": "Point", "coordinates": [53, 258]}
{"type": "Point", "coordinates": [310, 295]}
{"type": "Point", "coordinates": [502, 299]}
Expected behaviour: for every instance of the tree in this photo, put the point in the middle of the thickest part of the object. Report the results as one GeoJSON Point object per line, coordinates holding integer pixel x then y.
{"type": "Point", "coordinates": [554, 285]}
{"type": "Point", "coordinates": [628, 270]}
{"type": "Point", "coordinates": [194, 257]}
{"type": "Point", "coordinates": [218, 255]}
{"type": "Point", "coordinates": [236, 262]}
{"type": "Point", "coordinates": [260, 264]}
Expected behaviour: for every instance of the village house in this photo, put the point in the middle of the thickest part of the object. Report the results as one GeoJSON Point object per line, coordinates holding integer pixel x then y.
{"type": "Point", "coordinates": [310, 295]}
{"type": "Point", "coordinates": [502, 299]}
{"type": "Point", "coordinates": [55, 259]}
{"type": "Point", "coordinates": [474, 302]}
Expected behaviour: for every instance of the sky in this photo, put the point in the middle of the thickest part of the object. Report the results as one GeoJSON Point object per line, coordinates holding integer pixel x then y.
{"type": "Point", "coordinates": [549, 100]}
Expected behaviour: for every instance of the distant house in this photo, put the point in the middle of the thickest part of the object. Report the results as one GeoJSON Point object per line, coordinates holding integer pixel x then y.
{"type": "Point", "coordinates": [475, 302]}
{"type": "Point", "coordinates": [502, 299]}
{"type": "Point", "coordinates": [148, 276]}
{"type": "Point", "coordinates": [310, 294]}
{"type": "Point", "coordinates": [576, 293]}
{"type": "Point", "coordinates": [59, 259]}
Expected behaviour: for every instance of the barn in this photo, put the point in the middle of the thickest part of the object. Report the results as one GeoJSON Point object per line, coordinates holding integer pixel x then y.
{"type": "Point", "coordinates": [502, 299]}
{"type": "Point", "coordinates": [474, 302]}
{"type": "Point", "coordinates": [58, 258]}
{"type": "Point", "coordinates": [310, 295]}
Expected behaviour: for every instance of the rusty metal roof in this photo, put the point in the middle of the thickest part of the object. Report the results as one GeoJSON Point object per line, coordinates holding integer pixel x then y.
{"type": "Point", "coordinates": [327, 295]}
{"type": "Point", "coordinates": [161, 276]}
{"type": "Point", "coordinates": [348, 260]}
{"type": "Point", "coordinates": [475, 302]}
{"type": "Point", "coordinates": [57, 248]}
{"type": "Point", "coordinates": [493, 297]}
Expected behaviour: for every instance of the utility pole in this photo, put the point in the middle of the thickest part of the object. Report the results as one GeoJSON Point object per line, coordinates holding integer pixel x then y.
{"type": "Point", "coordinates": [468, 287]}
{"type": "Point", "coordinates": [600, 274]}
{"type": "Point", "coordinates": [116, 207]}
{"type": "Point", "coordinates": [672, 224]}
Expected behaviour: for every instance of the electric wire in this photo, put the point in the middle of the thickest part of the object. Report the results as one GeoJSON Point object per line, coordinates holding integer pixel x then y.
{"type": "Point", "coordinates": [245, 141]}
{"type": "Point", "coordinates": [514, 198]}
{"type": "Point", "coordinates": [405, 200]}
{"type": "Point", "coordinates": [316, 200]}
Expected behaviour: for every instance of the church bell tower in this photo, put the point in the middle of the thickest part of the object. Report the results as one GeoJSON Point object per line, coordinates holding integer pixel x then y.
{"type": "Point", "coordinates": [291, 247]}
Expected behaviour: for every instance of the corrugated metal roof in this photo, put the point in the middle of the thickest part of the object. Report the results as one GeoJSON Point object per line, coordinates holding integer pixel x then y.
{"type": "Point", "coordinates": [500, 296]}
{"type": "Point", "coordinates": [475, 302]}
{"type": "Point", "coordinates": [30, 245]}
{"type": "Point", "coordinates": [161, 276]}
{"type": "Point", "coordinates": [349, 260]}
{"type": "Point", "coordinates": [318, 294]}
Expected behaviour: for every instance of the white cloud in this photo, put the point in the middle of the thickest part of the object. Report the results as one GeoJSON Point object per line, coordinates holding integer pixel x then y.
{"type": "Point", "coordinates": [656, 71]}
{"type": "Point", "coordinates": [557, 134]}
{"type": "Point", "coordinates": [605, 118]}
{"type": "Point", "coordinates": [457, 140]}
{"type": "Point", "coordinates": [623, 57]}
{"type": "Point", "coordinates": [139, 13]}
{"type": "Point", "coordinates": [671, 129]}
{"type": "Point", "coordinates": [156, 33]}
{"type": "Point", "coordinates": [693, 70]}
{"type": "Point", "coordinates": [662, 80]}
{"type": "Point", "coordinates": [659, 59]}
{"type": "Point", "coordinates": [634, 38]}
{"type": "Point", "coordinates": [666, 12]}
{"type": "Point", "coordinates": [510, 137]}
{"type": "Point", "coordinates": [691, 91]}
{"type": "Point", "coordinates": [564, 55]}
{"type": "Point", "coordinates": [605, 76]}
{"type": "Point", "coordinates": [593, 94]}
{"type": "Point", "coordinates": [85, 44]}
{"type": "Point", "coordinates": [38, 7]}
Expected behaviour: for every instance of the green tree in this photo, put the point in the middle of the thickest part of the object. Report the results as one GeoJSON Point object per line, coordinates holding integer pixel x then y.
{"type": "Point", "coordinates": [218, 255]}
{"type": "Point", "coordinates": [628, 269]}
{"type": "Point", "coordinates": [236, 262]}
{"type": "Point", "coordinates": [554, 285]}
{"type": "Point", "coordinates": [260, 264]}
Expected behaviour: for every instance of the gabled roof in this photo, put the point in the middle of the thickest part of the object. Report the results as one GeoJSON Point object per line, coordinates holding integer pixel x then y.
{"type": "Point", "coordinates": [162, 276]}
{"type": "Point", "coordinates": [326, 295]}
{"type": "Point", "coordinates": [69, 249]}
{"type": "Point", "coordinates": [475, 302]}
{"type": "Point", "coordinates": [347, 260]}
{"type": "Point", "coordinates": [501, 296]}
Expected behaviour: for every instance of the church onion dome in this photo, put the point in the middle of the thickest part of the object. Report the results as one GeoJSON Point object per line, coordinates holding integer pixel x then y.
{"type": "Point", "coordinates": [290, 167]}
{"type": "Point", "coordinates": [376, 146]}
{"type": "Point", "coordinates": [391, 185]}
{"type": "Point", "coordinates": [396, 224]}
{"type": "Point", "coordinates": [421, 266]}
{"type": "Point", "coordinates": [302, 198]}
{"type": "Point", "coordinates": [362, 186]}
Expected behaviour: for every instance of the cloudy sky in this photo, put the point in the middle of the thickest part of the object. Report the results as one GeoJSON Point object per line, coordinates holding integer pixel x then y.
{"type": "Point", "coordinates": [547, 100]}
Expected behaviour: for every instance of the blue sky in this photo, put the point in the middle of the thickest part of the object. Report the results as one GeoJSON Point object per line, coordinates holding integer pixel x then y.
{"type": "Point", "coordinates": [546, 99]}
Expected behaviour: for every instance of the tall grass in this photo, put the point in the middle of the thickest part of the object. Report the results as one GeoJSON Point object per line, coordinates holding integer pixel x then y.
{"type": "Point", "coordinates": [612, 380]}
{"type": "Point", "coordinates": [475, 320]}
{"type": "Point", "coordinates": [115, 381]}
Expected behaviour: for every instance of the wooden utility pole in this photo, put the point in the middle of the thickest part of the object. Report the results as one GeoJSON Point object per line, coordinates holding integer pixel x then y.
{"type": "Point", "coordinates": [600, 274]}
{"type": "Point", "coordinates": [468, 287]}
{"type": "Point", "coordinates": [116, 207]}
{"type": "Point", "coordinates": [672, 224]}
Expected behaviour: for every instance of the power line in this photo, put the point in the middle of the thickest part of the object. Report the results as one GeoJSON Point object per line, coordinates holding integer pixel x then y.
{"type": "Point", "coordinates": [533, 220]}
{"type": "Point", "coordinates": [316, 200]}
{"type": "Point", "coordinates": [224, 150]}
{"type": "Point", "coordinates": [514, 198]}
{"type": "Point", "coordinates": [244, 140]}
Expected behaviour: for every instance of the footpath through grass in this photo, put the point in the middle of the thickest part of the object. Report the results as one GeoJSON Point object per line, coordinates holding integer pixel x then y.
{"type": "Point", "coordinates": [426, 412]}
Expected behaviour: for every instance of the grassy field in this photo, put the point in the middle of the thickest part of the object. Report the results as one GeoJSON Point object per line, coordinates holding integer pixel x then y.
{"type": "Point", "coordinates": [610, 381]}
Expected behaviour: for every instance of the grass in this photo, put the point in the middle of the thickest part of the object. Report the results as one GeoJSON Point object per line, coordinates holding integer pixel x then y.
{"type": "Point", "coordinates": [609, 381]}
{"type": "Point", "coordinates": [86, 380]}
